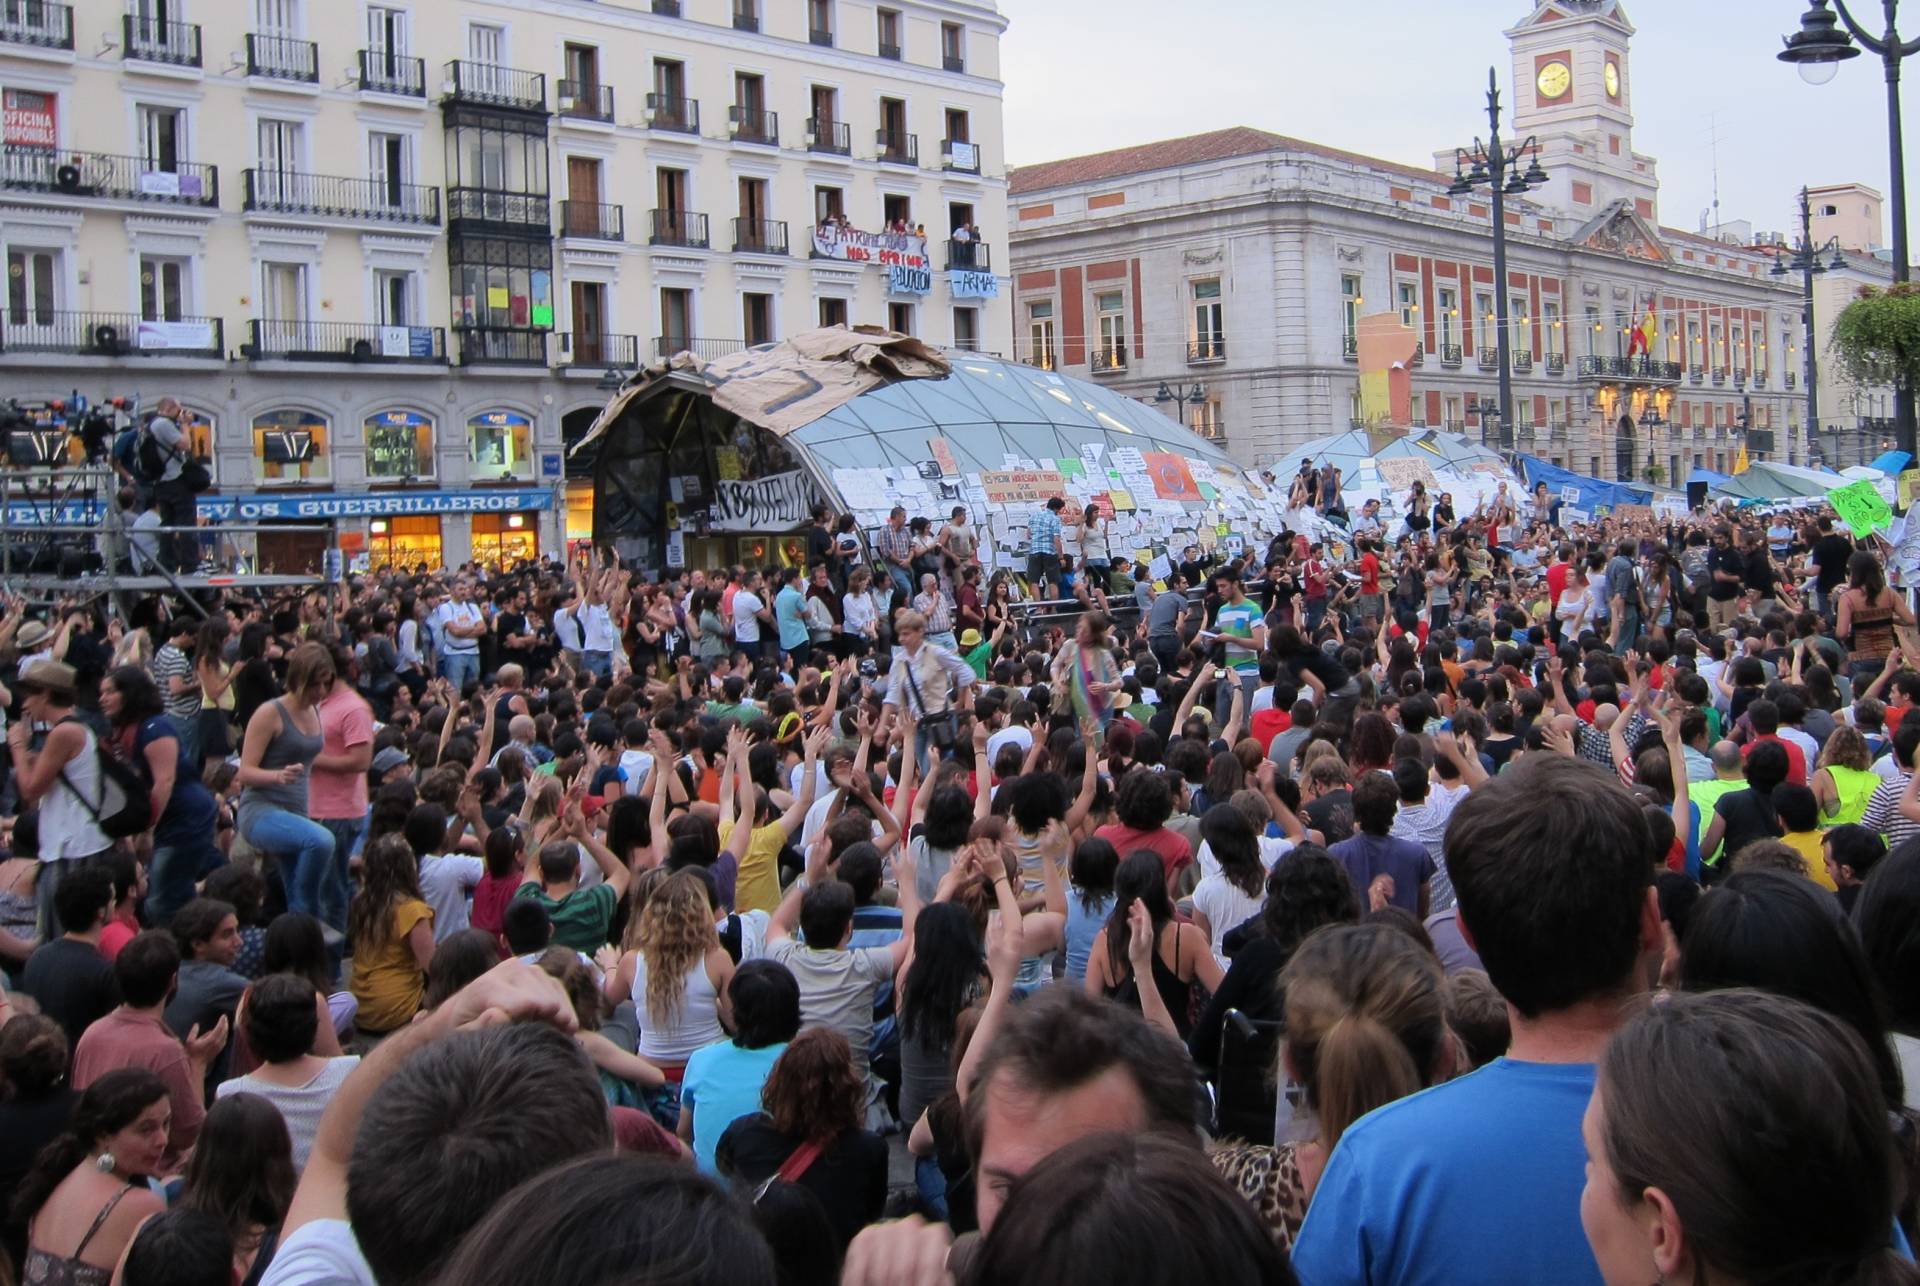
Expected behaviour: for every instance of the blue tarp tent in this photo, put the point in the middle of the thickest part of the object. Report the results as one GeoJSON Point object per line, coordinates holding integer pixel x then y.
{"type": "Point", "coordinates": [1707, 476]}
{"type": "Point", "coordinates": [1891, 462]}
{"type": "Point", "coordinates": [1593, 492]}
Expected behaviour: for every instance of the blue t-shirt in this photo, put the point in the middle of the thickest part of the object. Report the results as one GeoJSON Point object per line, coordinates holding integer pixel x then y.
{"type": "Point", "coordinates": [721, 1085]}
{"type": "Point", "coordinates": [1369, 856]}
{"type": "Point", "coordinates": [1477, 1180]}
{"type": "Point", "coordinates": [789, 611]}
{"type": "Point", "coordinates": [1236, 621]}
{"type": "Point", "coordinates": [191, 810]}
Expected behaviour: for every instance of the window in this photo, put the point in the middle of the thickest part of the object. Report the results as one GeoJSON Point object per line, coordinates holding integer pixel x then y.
{"type": "Point", "coordinates": [283, 292]}
{"type": "Point", "coordinates": [1112, 351]}
{"type": "Point", "coordinates": [291, 446]}
{"type": "Point", "coordinates": [958, 126]}
{"type": "Point", "coordinates": [1552, 331]}
{"type": "Point", "coordinates": [756, 318]}
{"type": "Point", "coordinates": [1209, 337]}
{"type": "Point", "coordinates": [893, 126]}
{"type": "Point", "coordinates": [1594, 328]}
{"type": "Point", "coordinates": [1696, 357]}
{"type": "Point", "coordinates": [1208, 421]}
{"type": "Point", "coordinates": [399, 446]}
{"type": "Point", "coordinates": [829, 203]}
{"type": "Point", "coordinates": [670, 79]}
{"type": "Point", "coordinates": [895, 208]}
{"type": "Point", "coordinates": [750, 117]}
{"type": "Point", "coordinates": [387, 43]}
{"type": "Point", "coordinates": [1040, 350]}
{"type": "Point", "coordinates": [163, 288]}
{"type": "Point", "coordinates": [676, 318]}
{"type": "Point", "coordinates": [746, 15]}
{"type": "Point", "coordinates": [1484, 326]}
{"type": "Point", "coordinates": [825, 101]}
{"type": "Point", "coordinates": [754, 206]}
{"type": "Point", "coordinates": [670, 189]}
{"type": "Point", "coordinates": [1716, 355]}
{"type": "Point", "coordinates": [502, 283]}
{"type": "Point", "coordinates": [406, 542]}
{"type": "Point", "coordinates": [31, 291]}
{"type": "Point", "coordinates": [389, 165]}
{"type": "Point", "coordinates": [887, 22]}
{"type": "Point", "coordinates": [1447, 301]}
{"type": "Point", "coordinates": [1739, 348]}
{"type": "Point", "coordinates": [277, 177]}
{"type": "Point", "coordinates": [1520, 321]}
{"type": "Point", "coordinates": [506, 539]}
{"type": "Point", "coordinates": [953, 46]}
{"type": "Point", "coordinates": [833, 312]}
{"type": "Point", "coordinates": [162, 138]}
{"type": "Point", "coordinates": [589, 312]}
{"type": "Point", "coordinates": [582, 80]}
{"type": "Point", "coordinates": [394, 289]}
{"type": "Point", "coordinates": [966, 329]}
{"type": "Point", "coordinates": [502, 444]}
{"type": "Point", "coordinates": [900, 318]}
{"type": "Point", "coordinates": [1450, 412]}
{"type": "Point", "coordinates": [820, 21]}
{"type": "Point", "coordinates": [1407, 295]}
{"type": "Point", "coordinates": [1350, 301]}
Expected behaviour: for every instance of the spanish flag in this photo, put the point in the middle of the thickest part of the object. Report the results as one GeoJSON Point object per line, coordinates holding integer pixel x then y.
{"type": "Point", "coordinates": [1644, 334]}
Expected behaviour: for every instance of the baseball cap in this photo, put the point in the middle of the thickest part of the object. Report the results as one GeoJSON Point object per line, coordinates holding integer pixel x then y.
{"type": "Point", "coordinates": [389, 759]}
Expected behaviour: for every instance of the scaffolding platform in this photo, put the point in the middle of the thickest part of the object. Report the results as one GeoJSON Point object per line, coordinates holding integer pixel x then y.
{"type": "Point", "coordinates": [107, 582]}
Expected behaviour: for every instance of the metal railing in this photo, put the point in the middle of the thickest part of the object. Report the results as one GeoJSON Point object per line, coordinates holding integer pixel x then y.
{"type": "Point", "coordinates": [969, 165]}
{"type": "Point", "coordinates": [1350, 347]}
{"type": "Point", "coordinates": [665, 346]}
{"type": "Point", "coordinates": [1450, 355]}
{"type": "Point", "coordinates": [890, 52]}
{"type": "Point", "coordinates": [527, 210]}
{"type": "Point", "coordinates": [750, 125]}
{"type": "Point", "coordinates": [1719, 375]}
{"type": "Point", "coordinates": [491, 85]}
{"type": "Point", "coordinates": [1629, 368]}
{"type": "Point", "coordinates": [896, 147]}
{"type": "Point", "coordinates": [1045, 356]}
{"type": "Point", "coordinates": [502, 346]}
{"type": "Point", "coordinates": [1206, 349]}
{"type": "Point", "coordinates": [952, 62]}
{"type": "Point", "coordinates": [156, 41]}
{"type": "Point", "coordinates": [678, 115]}
{"type": "Point", "coordinates": [1105, 358]}
{"type": "Point", "coordinates": [88, 334]}
{"type": "Point", "coordinates": [100, 174]}
{"type": "Point", "coordinates": [587, 348]}
{"type": "Point", "coordinates": [760, 236]}
{"type": "Point", "coordinates": [584, 100]}
{"type": "Point", "coordinates": [1522, 362]}
{"type": "Point", "coordinates": [820, 36]}
{"type": "Point", "coordinates": [1739, 379]}
{"type": "Point", "coordinates": [283, 58]}
{"type": "Point", "coordinates": [829, 136]}
{"type": "Point", "coordinates": [1696, 376]}
{"type": "Point", "coordinates": [329, 196]}
{"type": "Point", "coordinates": [746, 16]}
{"type": "Point", "coordinates": [677, 228]}
{"type": "Point", "coordinates": [44, 24]}
{"type": "Point", "coordinates": [384, 72]}
{"type": "Point", "coordinates": [1793, 379]}
{"type": "Point", "coordinates": [969, 256]}
{"type": "Point", "coordinates": [667, 8]}
{"type": "Point", "coordinates": [1761, 376]}
{"type": "Point", "coordinates": [1556, 363]}
{"type": "Point", "coordinates": [1487, 357]}
{"type": "Point", "coordinates": [310, 341]}
{"type": "Point", "coordinates": [595, 222]}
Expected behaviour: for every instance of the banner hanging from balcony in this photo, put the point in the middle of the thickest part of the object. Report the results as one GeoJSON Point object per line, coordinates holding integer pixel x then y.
{"type": "Point", "coordinates": [964, 284]}
{"type": "Point", "coordinates": [905, 280]}
{"type": "Point", "coordinates": [888, 249]}
{"type": "Point", "coordinates": [177, 334]}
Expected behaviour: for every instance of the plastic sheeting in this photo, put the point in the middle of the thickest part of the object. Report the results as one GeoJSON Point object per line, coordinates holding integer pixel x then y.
{"type": "Point", "coordinates": [1593, 492]}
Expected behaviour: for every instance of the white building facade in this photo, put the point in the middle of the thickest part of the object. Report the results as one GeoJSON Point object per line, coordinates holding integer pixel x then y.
{"type": "Point", "coordinates": [387, 254]}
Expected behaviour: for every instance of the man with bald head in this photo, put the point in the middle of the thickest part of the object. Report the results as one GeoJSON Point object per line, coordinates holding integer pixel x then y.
{"type": "Point", "coordinates": [1729, 775]}
{"type": "Point", "coordinates": [180, 550]}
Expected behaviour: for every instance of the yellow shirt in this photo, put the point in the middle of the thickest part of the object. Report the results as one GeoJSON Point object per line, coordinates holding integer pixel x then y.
{"type": "Point", "coordinates": [758, 885]}
{"type": "Point", "coordinates": [388, 981]}
{"type": "Point", "coordinates": [1807, 844]}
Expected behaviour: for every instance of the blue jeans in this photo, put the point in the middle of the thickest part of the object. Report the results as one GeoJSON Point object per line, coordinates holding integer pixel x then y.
{"type": "Point", "coordinates": [305, 850]}
{"type": "Point", "coordinates": [334, 887]}
{"type": "Point", "coordinates": [598, 664]}
{"type": "Point", "coordinates": [460, 668]}
{"type": "Point", "coordinates": [902, 583]}
{"type": "Point", "coordinates": [171, 877]}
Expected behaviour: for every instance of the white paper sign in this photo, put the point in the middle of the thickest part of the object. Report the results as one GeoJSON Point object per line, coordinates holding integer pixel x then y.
{"type": "Point", "coordinates": [394, 341]}
{"type": "Point", "coordinates": [676, 548]}
{"type": "Point", "coordinates": [1570, 495]}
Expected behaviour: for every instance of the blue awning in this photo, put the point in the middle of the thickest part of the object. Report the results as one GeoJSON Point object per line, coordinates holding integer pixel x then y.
{"type": "Point", "coordinates": [1707, 476]}
{"type": "Point", "coordinates": [1891, 463]}
{"type": "Point", "coordinates": [1593, 492]}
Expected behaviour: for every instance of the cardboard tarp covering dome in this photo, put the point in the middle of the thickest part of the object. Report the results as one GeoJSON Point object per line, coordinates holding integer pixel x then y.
{"type": "Point", "coordinates": [865, 420]}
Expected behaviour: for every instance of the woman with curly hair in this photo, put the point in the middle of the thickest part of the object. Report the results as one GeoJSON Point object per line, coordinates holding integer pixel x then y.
{"type": "Point", "coordinates": [680, 974]}
{"type": "Point", "coordinates": [390, 932]}
{"type": "Point", "coordinates": [811, 1134]}
{"type": "Point", "coordinates": [1844, 781]}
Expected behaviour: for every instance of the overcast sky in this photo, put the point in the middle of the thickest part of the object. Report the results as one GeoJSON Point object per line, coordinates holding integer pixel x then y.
{"type": "Point", "coordinates": [1400, 78]}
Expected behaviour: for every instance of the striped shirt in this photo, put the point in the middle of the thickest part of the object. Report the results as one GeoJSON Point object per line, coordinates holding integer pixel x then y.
{"type": "Point", "coordinates": [1043, 532]}
{"type": "Point", "coordinates": [938, 609]}
{"type": "Point", "coordinates": [894, 543]}
{"type": "Point", "coordinates": [171, 663]}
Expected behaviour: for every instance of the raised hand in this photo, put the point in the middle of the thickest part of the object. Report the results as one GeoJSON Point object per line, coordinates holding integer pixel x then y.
{"type": "Point", "coordinates": [1140, 937]}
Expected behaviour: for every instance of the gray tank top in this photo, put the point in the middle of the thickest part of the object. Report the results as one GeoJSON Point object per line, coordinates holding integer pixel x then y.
{"type": "Point", "coordinates": [289, 746]}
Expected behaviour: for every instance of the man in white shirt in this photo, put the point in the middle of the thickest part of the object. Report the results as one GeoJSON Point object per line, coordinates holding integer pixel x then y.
{"type": "Point", "coordinates": [927, 680]}
{"type": "Point", "coordinates": [1018, 730]}
{"type": "Point", "coordinates": [597, 635]}
{"type": "Point", "coordinates": [749, 613]}
{"type": "Point", "coordinates": [458, 625]}
{"type": "Point", "coordinates": [566, 627]}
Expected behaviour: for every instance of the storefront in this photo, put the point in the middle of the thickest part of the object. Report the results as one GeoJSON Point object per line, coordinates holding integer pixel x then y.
{"type": "Point", "coordinates": [502, 540]}
{"type": "Point", "coordinates": [404, 543]}
{"type": "Point", "coordinates": [394, 528]}
{"type": "Point", "coordinates": [399, 447]}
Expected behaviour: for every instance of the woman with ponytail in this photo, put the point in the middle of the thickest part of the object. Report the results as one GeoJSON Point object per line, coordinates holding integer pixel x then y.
{"type": "Point", "coordinates": [87, 1194]}
{"type": "Point", "coordinates": [1789, 1178]}
{"type": "Point", "coordinates": [1366, 1025]}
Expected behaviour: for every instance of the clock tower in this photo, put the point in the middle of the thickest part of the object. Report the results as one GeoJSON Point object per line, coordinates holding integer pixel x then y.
{"type": "Point", "coordinates": [1573, 91]}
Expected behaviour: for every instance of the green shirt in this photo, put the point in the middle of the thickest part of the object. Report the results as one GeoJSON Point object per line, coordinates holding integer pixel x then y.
{"type": "Point", "coordinates": [978, 658]}
{"type": "Point", "coordinates": [1705, 794]}
{"type": "Point", "coordinates": [745, 712]}
{"type": "Point", "coordinates": [581, 919]}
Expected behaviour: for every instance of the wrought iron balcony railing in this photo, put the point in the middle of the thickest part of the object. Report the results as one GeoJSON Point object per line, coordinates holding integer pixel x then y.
{"type": "Point", "coordinates": [328, 196]}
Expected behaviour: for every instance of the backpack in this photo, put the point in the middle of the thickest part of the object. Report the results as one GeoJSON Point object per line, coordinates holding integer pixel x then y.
{"type": "Point", "coordinates": [125, 805]}
{"type": "Point", "coordinates": [150, 457]}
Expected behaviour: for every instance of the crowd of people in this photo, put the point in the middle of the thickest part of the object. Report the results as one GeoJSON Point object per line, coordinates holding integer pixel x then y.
{"type": "Point", "coordinates": [1477, 900]}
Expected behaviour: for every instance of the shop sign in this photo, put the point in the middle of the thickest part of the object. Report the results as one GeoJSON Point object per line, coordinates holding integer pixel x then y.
{"type": "Point", "coordinates": [884, 248]}
{"type": "Point", "coordinates": [965, 156]}
{"type": "Point", "coordinates": [168, 184]}
{"type": "Point", "coordinates": [904, 280]}
{"type": "Point", "coordinates": [1011, 487]}
{"type": "Point", "coordinates": [29, 119]}
{"type": "Point", "coordinates": [262, 505]}
{"type": "Point", "coordinates": [775, 503]}
{"type": "Point", "coordinates": [550, 464]}
{"type": "Point", "coordinates": [966, 284]}
{"type": "Point", "coordinates": [406, 341]}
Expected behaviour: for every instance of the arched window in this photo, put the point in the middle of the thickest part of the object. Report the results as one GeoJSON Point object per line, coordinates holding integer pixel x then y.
{"type": "Point", "coordinates": [501, 443]}
{"type": "Point", "coordinates": [200, 436]}
{"type": "Point", "coordinates": [399, 446]}
{"type": "Point", "coordinates": [291, 446]}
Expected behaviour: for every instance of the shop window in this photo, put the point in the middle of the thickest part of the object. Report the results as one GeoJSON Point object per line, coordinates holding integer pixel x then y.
{"type": "Point", "coordinates": [405, 542]}
{"type": "Point", "coordinates": [579, 511]}
{"type": "Point", "coordinates": [506, 539]}
{"type": "Point", "coordinates": [199, 427]}
{"type": "Point", "coordinates": [399, 446]}
{"type": "Point", "coordinates": [291, 446]}
{"type": "Point", "coordinates": [502, 445]}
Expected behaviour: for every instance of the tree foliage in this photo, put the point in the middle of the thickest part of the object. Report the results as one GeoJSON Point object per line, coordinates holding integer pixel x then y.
{"type": "Point", "coordinates": [1876, 338]}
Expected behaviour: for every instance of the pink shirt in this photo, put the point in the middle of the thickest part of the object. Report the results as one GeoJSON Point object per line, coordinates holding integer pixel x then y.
{"type": "Point", "coordinates": [127, 1039]}
{"type": "Point", "coordinates": [345, 722]}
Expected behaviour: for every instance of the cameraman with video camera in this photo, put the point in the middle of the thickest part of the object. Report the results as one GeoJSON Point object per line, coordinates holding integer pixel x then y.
{"type": "Point", "coordinates": [161, 460]}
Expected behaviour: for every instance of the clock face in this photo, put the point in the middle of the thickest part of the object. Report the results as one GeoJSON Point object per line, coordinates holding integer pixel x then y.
{"type": "Point", "coordinates": [1554, 80]}
{"type": "Point", "coordinates": [1613, 80]}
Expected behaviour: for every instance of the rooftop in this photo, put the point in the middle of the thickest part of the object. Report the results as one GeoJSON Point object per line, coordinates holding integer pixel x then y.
{"type": "Point", "coordinates": [1172, 153]}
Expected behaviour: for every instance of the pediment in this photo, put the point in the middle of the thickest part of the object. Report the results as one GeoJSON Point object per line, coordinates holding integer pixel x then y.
{"type": "Point", "coordinates": [1619, 230]}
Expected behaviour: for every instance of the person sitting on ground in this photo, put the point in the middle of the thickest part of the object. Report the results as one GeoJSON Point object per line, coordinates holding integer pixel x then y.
{"type": "Point", "coordinates": [288, 1024]}
{"type": "Point", "coordinates": [68, 976]}
{"type": "Point", "coordinates": [723, 1081]}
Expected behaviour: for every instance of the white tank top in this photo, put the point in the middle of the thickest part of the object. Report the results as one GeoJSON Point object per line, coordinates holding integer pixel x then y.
{"type": "Point", "coordinates": [696, 1026]}
{"type": "Point", "coordinates": [67, 826]}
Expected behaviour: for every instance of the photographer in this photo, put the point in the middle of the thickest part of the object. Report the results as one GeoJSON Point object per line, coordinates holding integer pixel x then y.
{"type": "Point", "coordinates": [179, 550]}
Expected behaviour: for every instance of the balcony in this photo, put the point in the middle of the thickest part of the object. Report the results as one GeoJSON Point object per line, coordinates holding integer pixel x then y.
{"type": "Point", "coordinates": [745, 18]}
{"type": "Point", "coordinates": [584, 100]}
{"type": "Point", "coordinates": [677, 228]}
{"type": "Point", "coordinates": [760, 236]}
{"type": "Point", "coordinates": [150, 40]}
{"type": "Point", "coordinates": [1792, 379]}
{"type": "Point", "coordinates": [1639, 369]}
{"type": "Point", "coordinates": [969, 256]}
{"type": "Point", "coordinates": [667, 8]}
{"type": "Point", "coordinates": [283, 58]}
{"type": "Point", "coordinates": [952, 62]}
{"type": "Point", "coordinates": [1451, 356]}
{"type": "Point", "coordinates": [1523, 362]}
{"type": "Point", "coordinates": [115, 178]}
{"type": "Point", "coordinates": [1556, 432]}
{"type": "Point", "coordinates": [1350, 347]}
{"type": "Point", "coordinates": [325, 196]}
{"type": "Point", "coordinates": [674, 115]}
{"type": "Point", "coordinates": [829, 136]}
{"type": "Point", "coordinates": [896, 147]}
{"type": "Point", "coordinates": [502, 346]}
{"type": "Point", "coordinates": [960, 156]}
{"type": "Point", "coordinates": [1107, 359]}
{"type": "Point", "coordinates": [1487, 358]}
{"type": "Point", "coordinates": [665, 346]}
{"type": "Point", "coordinates": [44, 26]}
{"type": "Point", "coordinates": [820, 36]}
{"type": "Point", "coordinates": [1556, 363]}
{"type": "Point", "coordinates": [593, 222]}
{"type": "Point", "coordinates": [109, 335]}
{"type": "Point", "coordinates": [1740, 379]}
{"type": "Point", "coordinates": [488, 85]}
{"type": "Point", "coordinates": [751, 125]}
{"type": "Point", "coordinates": [1760, 377]}
{"type": "Point", "coordinates": [1696, 376]}
{"type": "Point", "coordinates": [1208, 350]}
{"type": "Point", "coordinates": [585, 348]}
{"type": "Point", "coordinates": [382, 72]}
{"type": "Point", "coordinates": [1719, 376]}
{"type": "Point", "coordinates": [522, 212]}
{"type": "Point", "coordinates": [892, 53]}
{"type": "Point", "coordinates": [309, 341]}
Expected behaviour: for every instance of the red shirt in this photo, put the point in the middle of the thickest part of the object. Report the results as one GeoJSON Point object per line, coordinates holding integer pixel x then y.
{"type": "Point", "coordinates": [1268, 724]}
{"type": "Point", "coordinates": [1796, 757]}
{"type": "Point", "coordinates": [1369, 573]}
{"type": "Point", "coordinates": [1557, 580]}
{"type": "Point", "coordinates": [1169, 846]}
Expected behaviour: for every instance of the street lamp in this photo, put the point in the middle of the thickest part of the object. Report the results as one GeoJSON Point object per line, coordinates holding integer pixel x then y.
{"type": "Point", "coordinates": [1496, 167]}
{"type": "Point", "coordinates": [1486, 408]}
{"type": "Point", "coordinates": [1817, 50]}
{"type": "Point", "coordinates": [1187, 395]}
{"type": "Point", "coordinates": [1806, 259]}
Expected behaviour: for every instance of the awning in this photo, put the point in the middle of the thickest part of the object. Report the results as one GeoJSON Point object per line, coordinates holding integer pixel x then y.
{"type": "Point", "coordinates": [1593, 492]}
{"type": "Point", "coordinates": [1707, 476]}
{"type": "Point", "coordinates": [1891, 463]}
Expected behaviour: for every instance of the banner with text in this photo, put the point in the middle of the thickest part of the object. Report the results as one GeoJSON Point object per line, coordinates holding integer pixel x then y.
{"type": "Point", "coordinates": [776, 503]}
{"type": "Point", "coordinates": [1011, 487]}
{"type": "Point", "coordinates": [885, 248]}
